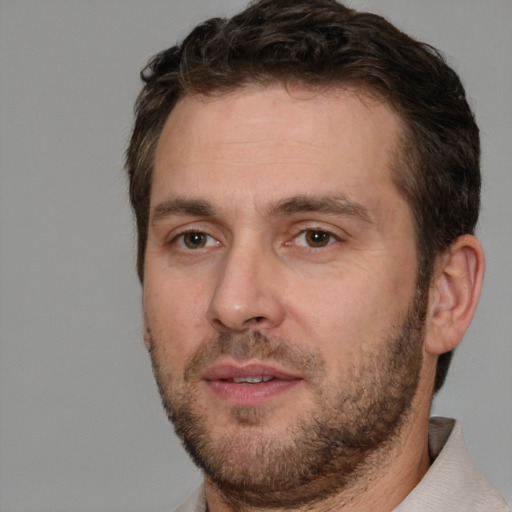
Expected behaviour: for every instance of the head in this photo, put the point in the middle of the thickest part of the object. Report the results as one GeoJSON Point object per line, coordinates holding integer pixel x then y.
{"type": "Point", "coordinates": [322, 45]}
{"type": "Point", "coordinates": [306, 181]}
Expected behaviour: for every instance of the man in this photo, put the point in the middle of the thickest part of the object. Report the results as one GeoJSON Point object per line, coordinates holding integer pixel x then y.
{"type": "Point", "coordinates": [306, 185]}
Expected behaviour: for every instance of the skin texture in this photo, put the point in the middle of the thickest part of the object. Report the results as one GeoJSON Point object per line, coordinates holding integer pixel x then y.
{"type": "Point", "coordinates": [279, 246]}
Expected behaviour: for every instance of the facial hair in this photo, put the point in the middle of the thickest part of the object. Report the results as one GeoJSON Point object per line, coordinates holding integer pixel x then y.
{"type": "Point", "coordinates": [325, 449]}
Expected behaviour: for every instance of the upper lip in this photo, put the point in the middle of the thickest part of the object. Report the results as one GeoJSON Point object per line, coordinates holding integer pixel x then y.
{"type": "Point", "coordinates": [227, 370]}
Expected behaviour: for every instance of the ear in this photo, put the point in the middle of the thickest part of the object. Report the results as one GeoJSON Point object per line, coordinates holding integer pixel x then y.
{"type": "Point", "coordinates": [454, 293]}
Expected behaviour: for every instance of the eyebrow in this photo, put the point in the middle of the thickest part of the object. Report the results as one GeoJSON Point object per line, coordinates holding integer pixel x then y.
{"type": "Point", "coordinates": [338, 204]}
{"type": "Point", "coordinates": [182, 206]}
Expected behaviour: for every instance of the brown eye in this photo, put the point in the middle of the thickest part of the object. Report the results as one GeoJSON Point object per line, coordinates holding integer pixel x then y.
{"type": "Point", "coordinates": [194, 240]}
{"type": "Point", "coordinates": [315, 238]}
{"type": "Point", "coordinates": [318, 238]}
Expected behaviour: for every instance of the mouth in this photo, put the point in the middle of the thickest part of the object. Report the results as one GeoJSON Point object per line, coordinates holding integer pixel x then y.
{"type": "Point", "coordinates": [250, 380]}
{"type": "Point", "coordinates": [248, 383]}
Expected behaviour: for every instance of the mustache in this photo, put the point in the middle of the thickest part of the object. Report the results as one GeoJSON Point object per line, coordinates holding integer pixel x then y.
{"type": "Point", "coordinates": [255, 345]}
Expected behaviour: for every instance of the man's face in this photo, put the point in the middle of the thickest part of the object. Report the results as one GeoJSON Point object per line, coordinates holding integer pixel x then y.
{"type": "Point", "coordinates": [280, 286]}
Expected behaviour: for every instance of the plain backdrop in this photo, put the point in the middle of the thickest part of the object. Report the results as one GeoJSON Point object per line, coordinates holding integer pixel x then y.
{"type": "Point", "coordinates": [81, 426]}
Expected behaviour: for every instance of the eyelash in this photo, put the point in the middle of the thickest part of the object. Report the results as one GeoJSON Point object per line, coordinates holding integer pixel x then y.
{"type": "Point", "coordinates": [180, 240]}
{"type": "Point", "coordinates": [325, 236]}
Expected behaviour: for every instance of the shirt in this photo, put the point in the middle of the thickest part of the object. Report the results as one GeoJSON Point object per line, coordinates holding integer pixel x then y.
{"type": "Point", "coordinates": [452, 484]}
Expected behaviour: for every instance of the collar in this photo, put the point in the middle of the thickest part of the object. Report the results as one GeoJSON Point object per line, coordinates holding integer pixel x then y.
{"type": "Point", "coordinates": [452, 483]}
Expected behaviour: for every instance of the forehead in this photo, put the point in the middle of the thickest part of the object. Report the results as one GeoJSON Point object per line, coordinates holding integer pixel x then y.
{"type": "Point", "coordinates": [273, 140]}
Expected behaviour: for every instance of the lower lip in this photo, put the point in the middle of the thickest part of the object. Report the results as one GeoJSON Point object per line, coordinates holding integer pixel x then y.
{"type": "Point", "coordinates": [250, 395]}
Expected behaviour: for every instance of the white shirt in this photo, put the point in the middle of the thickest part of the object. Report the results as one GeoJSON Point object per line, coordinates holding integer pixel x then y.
{"type": "Point", "coordinates": [452, 484]}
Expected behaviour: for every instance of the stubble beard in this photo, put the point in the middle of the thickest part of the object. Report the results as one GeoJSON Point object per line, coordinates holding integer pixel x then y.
{"type": "Point", "coordinates": [326, 450]}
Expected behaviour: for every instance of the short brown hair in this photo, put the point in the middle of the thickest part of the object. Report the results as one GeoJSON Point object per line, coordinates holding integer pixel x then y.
{"type": "Point", "coordinates": [322, 43]}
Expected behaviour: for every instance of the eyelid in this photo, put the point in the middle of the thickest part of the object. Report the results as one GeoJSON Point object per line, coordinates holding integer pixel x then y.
{"type": "Point", "coordinates": [210, 241]}
{"type": "Point", "coordinates": [315, 225]}
{"type": "Point", "coordinates": [175, 229]}
{"type": "Point", "coordinates": [303, 233]}
{"type": "Point", "coordinates": [198, 226]}
{"type": "Point", "coordinates": [177, 239]}
{"type": "Point", "coordinates": [300, 229]}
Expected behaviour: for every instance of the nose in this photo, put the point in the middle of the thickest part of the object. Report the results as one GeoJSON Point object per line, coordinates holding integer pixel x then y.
{"type": "Point", "coordinates": [247, 292]}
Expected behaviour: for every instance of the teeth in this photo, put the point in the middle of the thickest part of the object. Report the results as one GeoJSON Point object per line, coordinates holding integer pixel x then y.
{"type": "Point", "coordinates": [251, 380]}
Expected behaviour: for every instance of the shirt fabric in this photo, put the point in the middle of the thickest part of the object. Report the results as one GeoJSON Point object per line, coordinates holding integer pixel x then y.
{"type": "Point", "coordinates": [452, 484]}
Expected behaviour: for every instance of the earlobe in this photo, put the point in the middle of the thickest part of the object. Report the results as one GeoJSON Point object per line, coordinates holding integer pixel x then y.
{"type": "Point", "coordinates": [454, 294]}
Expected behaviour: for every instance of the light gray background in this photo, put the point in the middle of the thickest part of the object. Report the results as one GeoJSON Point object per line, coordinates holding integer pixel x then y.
{"type": "Point", "coordinates": [81, 426]}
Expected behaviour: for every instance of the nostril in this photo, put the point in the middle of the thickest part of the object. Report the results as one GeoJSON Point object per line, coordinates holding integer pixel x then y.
{"type": "Point", "coordinates": [218, 323]}
{"type": "Point", "coordinates": [255, 319]}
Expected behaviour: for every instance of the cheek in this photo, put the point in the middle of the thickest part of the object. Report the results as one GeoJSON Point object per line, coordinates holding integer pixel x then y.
{"type": "Point", "coordinates": [174, 302]}
{"type": "Point", "coordinates": [175, 314]}
{"type": "Point", "coordinates": [346, 317]}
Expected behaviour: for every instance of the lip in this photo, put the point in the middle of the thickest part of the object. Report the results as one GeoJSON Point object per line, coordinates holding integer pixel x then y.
{"type": "Point", "coordinates": [218, 378]}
